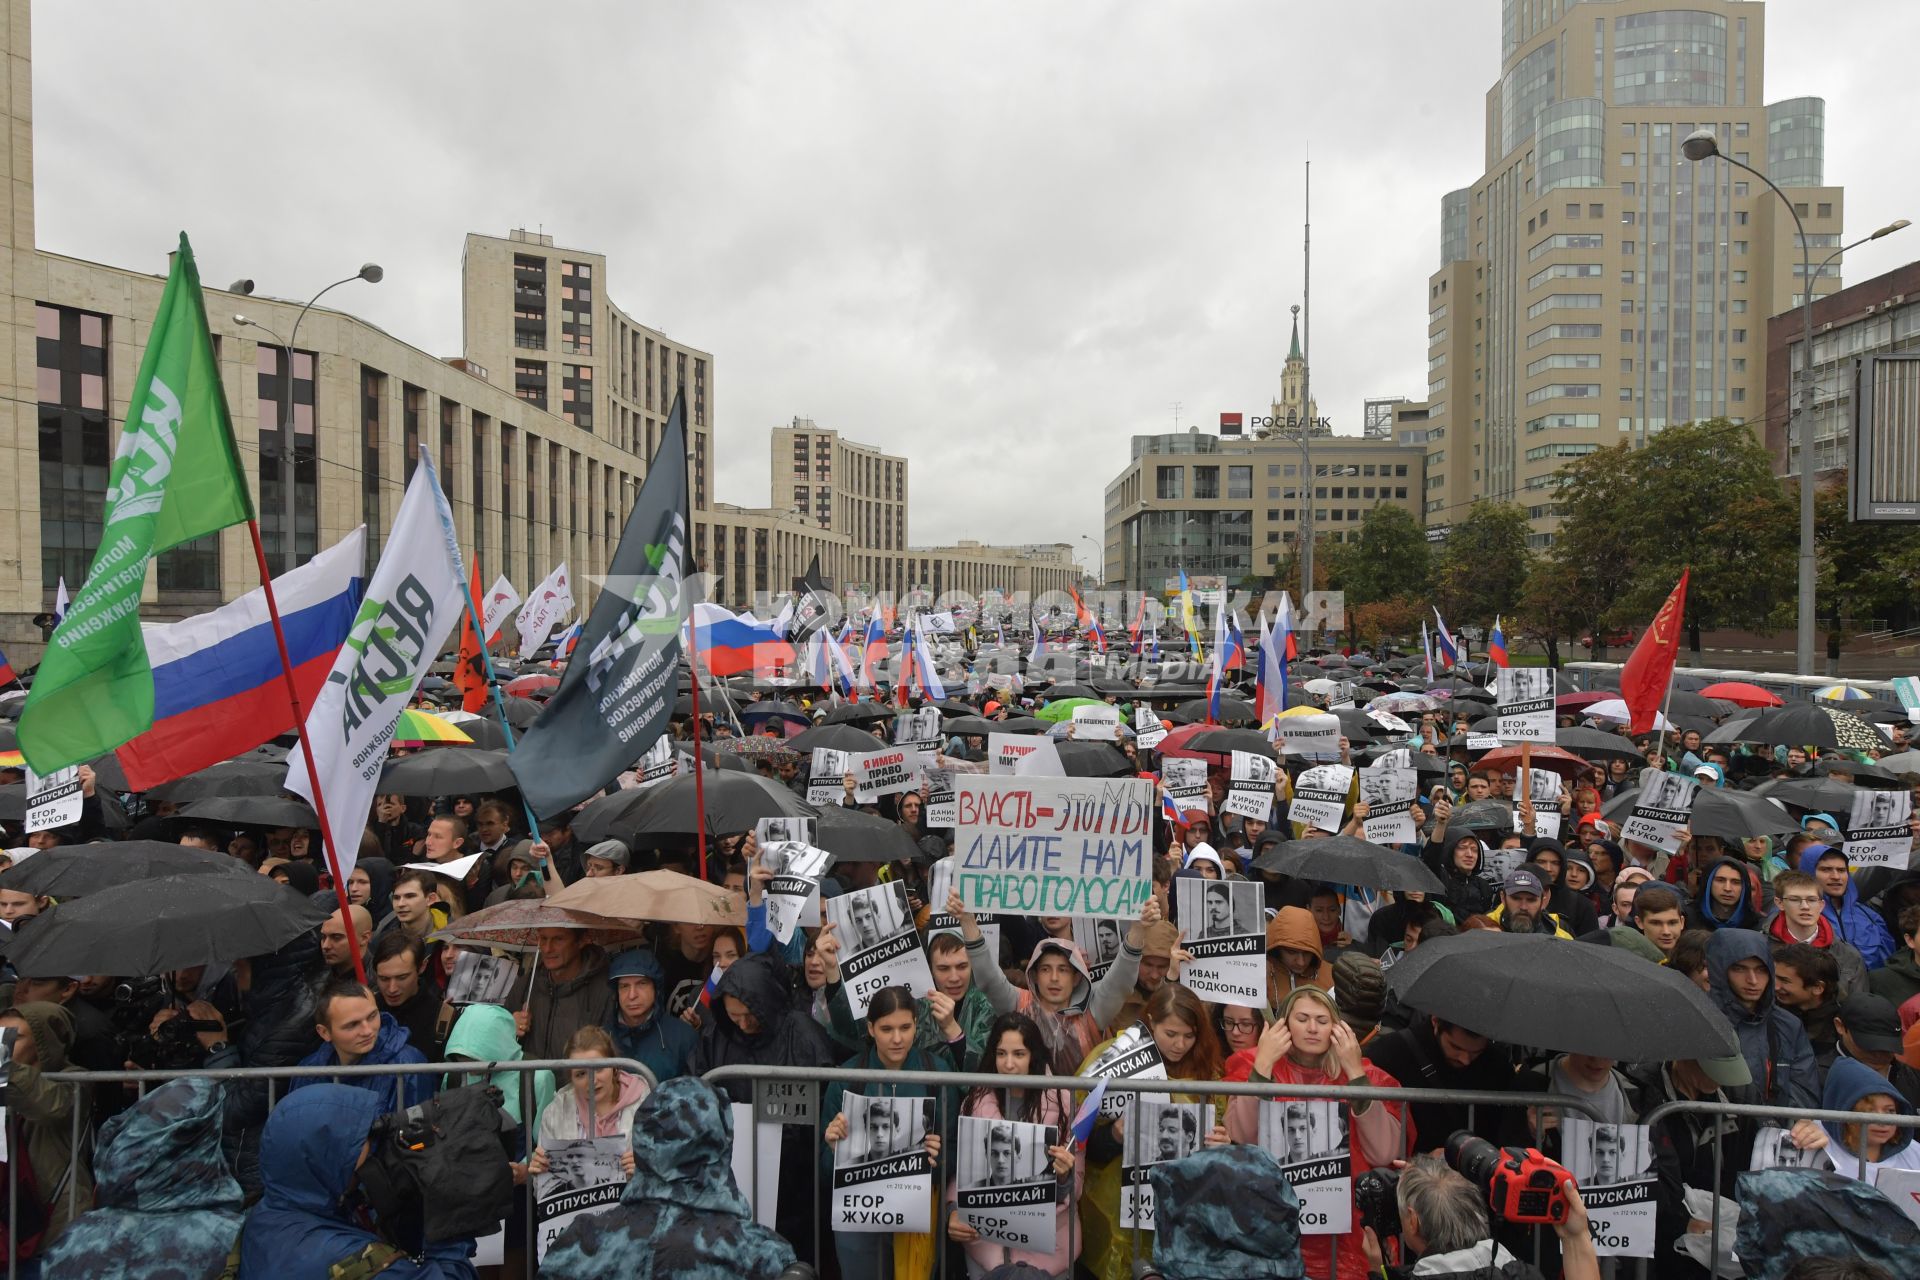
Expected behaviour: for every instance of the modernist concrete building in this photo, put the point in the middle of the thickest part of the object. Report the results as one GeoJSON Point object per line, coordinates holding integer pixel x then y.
{"type": "Point", "coordinates": [1594, 285]}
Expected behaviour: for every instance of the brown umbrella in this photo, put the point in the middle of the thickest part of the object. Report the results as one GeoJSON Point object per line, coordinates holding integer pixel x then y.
{"type": "Point", "coordinates": [654, 895]}
{"type": "Point", "coordinates": [514, 925]}
{"type": "Point", "coordinates": [1552, 759]}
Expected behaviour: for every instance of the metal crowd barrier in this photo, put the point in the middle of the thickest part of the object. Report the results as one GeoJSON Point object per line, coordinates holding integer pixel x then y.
{"type": "Point", "coordinates": [791, 1096]}
{"type": "Point", "coordinates": [529, 1122]}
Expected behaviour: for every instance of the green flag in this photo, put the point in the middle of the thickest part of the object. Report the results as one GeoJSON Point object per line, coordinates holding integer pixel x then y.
{"type": "Point", "coordinates": [176, 477]}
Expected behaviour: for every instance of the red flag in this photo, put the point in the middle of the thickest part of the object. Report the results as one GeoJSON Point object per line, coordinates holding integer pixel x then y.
{"type": "Point", "coordinates": [1649, 669]}
{"type": "Point", "coordinates": [470, 669]}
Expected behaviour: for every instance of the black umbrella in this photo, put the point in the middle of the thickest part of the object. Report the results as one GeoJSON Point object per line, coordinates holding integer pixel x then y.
{"type": "Point", "coordinates": [1232, 711]}
{"type": "Point", "coordinates": [1824, 794]}
{"type": "Point", "coordinates": [1864, 775]}
{"type": "Point", "coordinates": [1597, 744]}
{"type": "Point", "coordinates": [835, 737]}
{"type": "Point", "coordinates": [713, 702]}
{"type": "Point", "coordinates": [1483, 815]}
{"type": "Point", "coordinates": [753, 712]}
{"type": "Point", "coordinates": [228, 778]}
{"type": "Point", "coordinates": [154, 926]}
{"type": "Point", "coordinates": [1546, 993]}
{"type": "Point", "coordinates": [447, 773]}
{"type": "Point", "coordinates": [252, 811]}
{"type": "Point", "coordinates": [858, 713]}
{"type": "Point", "coordinates": [485, 733]}
{"type": "Point", "coordinates": [1733, 730]}
{"type": "Point", "coordinates": [1349, 860]}
{"type": "Point", "coordinates": [1059, 692]}
{"type": "Point", "coordinates": [76, 870]}
{"type": "Point", "coordinates": [1225, 741]}
{"type": "Point", "coordinates": [1814, 724]}
{"type": "Point", "coordinates": [13, 802]}
{"type": "Point", "coordinates": [1093, 760]}
{"type": "Point", "coordinates": [1684, 702]}
{"type": "Point", "coordinates": [853, 835]}
{"type": "Point", "coordinates": [1735, 815]}
{"type": "Point", "coordinates": [734, 802]}
{"type": "Point", "coordinates": [107, 773]}
{"type": "Point", "coordinates": [1355, 726]}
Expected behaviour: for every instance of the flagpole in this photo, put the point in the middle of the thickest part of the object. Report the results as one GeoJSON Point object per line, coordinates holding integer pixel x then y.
{"type": "Point", "coordinates": [699, 773]}
{"type": "Point", "coordinates": [313, 772]}
{"type": "Point", "coordinates": [493, 683]}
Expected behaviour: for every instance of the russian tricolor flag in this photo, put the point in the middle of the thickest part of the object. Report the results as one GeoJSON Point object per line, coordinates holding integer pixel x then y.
{"type": "Point", "coordinates": [1088, 1114]}
{"type": "Point", "coordinates": [1449, 653]}
{"type": "Point", "coordinates": [730, 644]}
{"type": "Point", "coordinates": [7, 674]}
{"type": "Point", "coordinates": [1497, 645]}
{"type": "Point", "coordinates": [218, 689]}
{"type": "Point", "coordinates": [873, 652]}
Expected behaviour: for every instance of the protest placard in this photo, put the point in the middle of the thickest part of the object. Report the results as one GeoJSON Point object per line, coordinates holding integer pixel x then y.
{"type": "Point", "coordinates": [1907, 689]}
{"type": "Point", "coordinates": [1131, 1055]}
{"type": "Point", "coordinates": [1147, 732]}
{"type": "Point", "coordinates": [658, 765]}
{"type": "Point", "coordinates": [939, 888]}
{"type": "Point", "coordinates": [882, 1177]}
{"type": "Point", "coordinates": [793, 895]}
{"type": "Point", "coordinates": [1309, 1139]}
{"type": "Point", "coordinates": [1309, 737]}
{"type": "Point", "coordinates": [827, 782]}
{"type": "Point", "coordinates": [756, 1162]}
{"type": "Point", "coordinates": [1774, 1148]}
{"type": "Point", "coordinates": [1483, 741]}
{"type": "Point", "coordinates": [583, 1176]}
{"type": "Point", "coordinates": [879, 947]}
{"type": "Point", "coordinates": [1250, 786]}
{"type": "Point", "coordinates": [919, 729]}
{"type": "Point", "coordinates": [1341, 697]}
{"type": "Point", "coordinates": [1613, 1164]}
{"type": "Point", "coordinates": [1320, 796]}
{"type": "Point", "coordinates": [53, 799]}
{"type": "Point", "coordinates": [1099, 941]}
{"type": "Point", "coordinates": [1096, 724]}
{"type": "Point", "coordinates": [782, 830]}
{"type": "Point", "coordinates": [1523, 704]}
{"type": "Point", "coordinates": [1054, 846]}
{"type": "Point", "coordinates": [1004, 750]}
{"type": "Point", "coordinates": [940, 808]}
{"type": "Point", "coordinates": [1006, 1186]}
{"type": "Point", "coordinates": [1902, 1186]}
{"type": "Point", "coordinates": [1226, 934]}
{"type": "Point", "coordinates": [1185, 781]}
{"type": "Point", "coordinates": [1877, 831]}
{"type": "Point", "coordinates": [885, 772]}
{"type": "Point", "coordinates": [1156, 1131]}
{"type": "Point", "coordinates": [1663, 806]}
{"type": "Point", "coordinates": [1389, 794]}
{"type": "Point", "coordinates": [480, 977]}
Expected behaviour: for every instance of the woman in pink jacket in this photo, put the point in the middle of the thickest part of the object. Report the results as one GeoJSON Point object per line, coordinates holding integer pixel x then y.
{"type": "Point", "coordinates": [1015, 1047]}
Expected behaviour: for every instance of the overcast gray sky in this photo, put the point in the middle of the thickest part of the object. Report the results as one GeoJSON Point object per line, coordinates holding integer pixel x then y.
{"type": "Point", "coordinates": [999, 238]}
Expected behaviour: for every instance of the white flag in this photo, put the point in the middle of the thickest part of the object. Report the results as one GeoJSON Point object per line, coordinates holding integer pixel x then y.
{"type": "Point", "coordinates": [412, 602]}
{"type": "Point", "coordinates": [551, 601]}
{"type": "Point", "coordinates": [501, 598]}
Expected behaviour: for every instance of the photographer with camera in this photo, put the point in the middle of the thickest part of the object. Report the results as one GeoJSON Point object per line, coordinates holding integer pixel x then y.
{"type": "Point", "coordinates": [312, 1222]}
{"type": "Point", "coordinates": [1443, 1219]}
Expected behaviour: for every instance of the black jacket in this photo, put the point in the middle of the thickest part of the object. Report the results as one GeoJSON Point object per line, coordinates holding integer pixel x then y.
{"type": "Point", "coordinates": [1414, 1058]}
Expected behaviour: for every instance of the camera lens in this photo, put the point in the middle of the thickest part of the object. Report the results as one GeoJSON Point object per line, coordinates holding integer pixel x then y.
{"type": "Point", "coordinates": [1475, 1158]}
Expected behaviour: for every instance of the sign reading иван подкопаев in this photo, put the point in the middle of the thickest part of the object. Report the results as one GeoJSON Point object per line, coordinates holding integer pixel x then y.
{"type": "Point", "coordinates": [1054, 846]}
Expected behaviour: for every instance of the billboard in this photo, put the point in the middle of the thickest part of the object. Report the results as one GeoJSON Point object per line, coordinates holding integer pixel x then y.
{"type": "Point", "coordinates": [1883, 480]}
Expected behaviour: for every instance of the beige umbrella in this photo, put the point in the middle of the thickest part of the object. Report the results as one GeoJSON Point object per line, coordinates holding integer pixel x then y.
{"type": "Point", "coordinates": [513, 925]}
{"type": "Point", "coordinates": [654, 895]}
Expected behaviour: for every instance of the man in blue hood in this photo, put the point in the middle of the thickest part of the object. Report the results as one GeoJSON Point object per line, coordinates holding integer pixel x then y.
{"type": "Point", "coordinates": [639, 1023]}
{"type": "Point", "coordinates": [1852, 922]}
{"type": "Point", "coordinates": [303, 1228]}
{"type": "Point", "coordinates": [355, 1032]}
{"type": "Point", "coordinates": [681, 1217]}
{"type": "Point", "coordinates": [1772, 1040]}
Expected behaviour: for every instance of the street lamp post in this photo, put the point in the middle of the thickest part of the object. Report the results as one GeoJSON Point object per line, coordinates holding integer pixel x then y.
{"type": "Point", "coordinates": [1099, 557]}
{"type": "Point", "coordinates": [1700, 145]}
{"type": "Point", "coordinates": [372, 273]}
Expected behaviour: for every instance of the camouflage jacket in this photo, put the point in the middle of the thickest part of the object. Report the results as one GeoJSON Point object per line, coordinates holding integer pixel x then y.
{"type": "Point", "coordinates": [681, 1216]}
{"type": "Point", "coordinates": [166, 1204]}
{"type": "Point", "coordinates": [1225, 1213]}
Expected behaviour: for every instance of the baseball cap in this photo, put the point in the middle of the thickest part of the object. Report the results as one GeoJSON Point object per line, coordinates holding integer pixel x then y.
{"type": "Point", "coordinates": [1729, 1072]}
{"type": "Point", "coordinates": [1521, 880]}
{"type": "Point", "coordinates": [1873, 1022]}
{"type": "Point", "coordinates": [989, 709]}
{"type": "Point", "coordinates": [1711, 772]}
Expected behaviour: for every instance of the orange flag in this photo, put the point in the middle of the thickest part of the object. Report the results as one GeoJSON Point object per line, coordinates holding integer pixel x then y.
{"type": "Point", "coordinates": [470, 670]}
{"type": "Point", "coordinates": [1649, 669]}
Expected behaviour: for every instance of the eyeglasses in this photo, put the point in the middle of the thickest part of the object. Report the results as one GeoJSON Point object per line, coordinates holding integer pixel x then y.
{"type": "Point", "coordinates": [1801, 900]}
{"type": "Point", "coordinates": [1239, 1024]}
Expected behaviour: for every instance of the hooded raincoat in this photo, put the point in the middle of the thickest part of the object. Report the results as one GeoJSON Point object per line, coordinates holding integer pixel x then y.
{"type": "Point", "coordinates": [1074, 1029]}
{"type": "Point", "coordinates": [1848, 1083]}
{"type": "Point", "coordinates": [1852, 920]}
{"type": "Point", "coordinates": [1772, 1040]}
{"type": "Point", "coordinates": [682, 1216]}
{"type": "Point", "coordinates": [301, 1228]}
{"type": "Point", "coordinates": [45, 1112]}
{"type": "Point", "coordinates": [660, 1041]}
{"type": "Point", "coordinates": [1468, 893]}
{"type": "Point", "coordinates": [484, 1033]}
{"type": "Point", "coordinates": [1743, 914]}
{"type": "Point", "coordinates": [1237, 1217]}
{"type": "Point", "coordinates": [164, 1201]}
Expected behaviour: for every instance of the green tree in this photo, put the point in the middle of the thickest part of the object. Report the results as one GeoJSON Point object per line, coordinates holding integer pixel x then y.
{"type": "Point", "coordinates": [1483, 564]}
{"type": "Point", "coordinates": [1545, 613]}
{"type": "Point", "coordinates": [1388, 558]}
{"type": "Point", "coordinates": [1592, 561]}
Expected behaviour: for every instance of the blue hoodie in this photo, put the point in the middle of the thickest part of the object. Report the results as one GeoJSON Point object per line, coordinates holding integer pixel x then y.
{"type": "Point", "coordinates": [662, 1042]}
{"type": "Point", "coordinates": [1852, 922]}
{"type": "Point", "coordinates": [301, 1226]}
{"type": "Point", "coordinates": [395, 1093]}
{"type": "Point", "coordinates": [1848, 1081]}
{"type": "Point", "coordinates": [1742, 915]}
{"type": "Point", "coordinates": [1772, 1039]}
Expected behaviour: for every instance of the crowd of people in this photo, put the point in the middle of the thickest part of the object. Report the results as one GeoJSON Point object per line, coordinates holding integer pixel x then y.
{"type": "Point", "coordinates": [1813, 962]}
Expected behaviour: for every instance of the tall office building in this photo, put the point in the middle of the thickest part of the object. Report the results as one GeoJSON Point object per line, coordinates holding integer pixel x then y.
{"type": "Point", "coordinates": [1594, 285]}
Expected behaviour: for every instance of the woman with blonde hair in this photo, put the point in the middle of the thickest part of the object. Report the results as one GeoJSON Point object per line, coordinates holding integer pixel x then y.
{"type": "Point", "coordinates": [1310, 1043]}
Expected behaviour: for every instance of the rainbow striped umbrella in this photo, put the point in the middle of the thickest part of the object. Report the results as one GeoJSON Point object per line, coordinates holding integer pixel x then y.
{"type": "Point", "coordinates": [12, 760]}
{"type": "Point", "coordinates": [416, 728]}
{"type": "Point", "coordinates": [1841, 693]}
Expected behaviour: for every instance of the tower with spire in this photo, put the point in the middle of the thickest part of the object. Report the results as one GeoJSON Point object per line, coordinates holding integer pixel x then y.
{"type": "Point", "coordinates": [1292, 406]}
